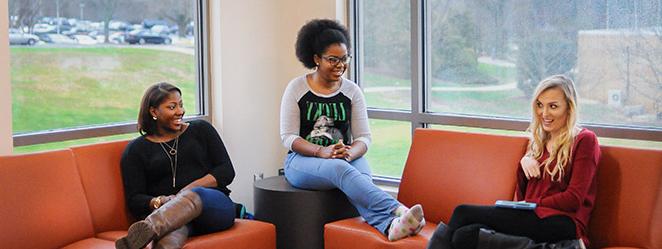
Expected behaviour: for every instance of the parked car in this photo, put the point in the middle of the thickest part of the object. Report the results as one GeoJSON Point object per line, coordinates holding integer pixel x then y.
{"type": "Point", "coordinates": [149, 23]}
{"type": "Point", "coordinates": [118, 25]}
{"type": "Point", "coordinates": [59, 39]}
{"type": "Point", "coordinates": [43, 28]}
{"type": "Point", "coordinates": [116, 37]}
{"type": "Point", "coordinates": [160, 29]}
{"type": "Point", "coordinates": [85, 39]}
{"type": "Point", "coordinates": [44, 37]}
{"type": "Point", "coordinates": [146, 36]}
{"type": "Point", "coordinates": [17, 37]}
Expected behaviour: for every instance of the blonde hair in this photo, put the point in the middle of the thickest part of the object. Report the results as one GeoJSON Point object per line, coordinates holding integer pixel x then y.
{"type": "Point", "coordinates": [562, 146]}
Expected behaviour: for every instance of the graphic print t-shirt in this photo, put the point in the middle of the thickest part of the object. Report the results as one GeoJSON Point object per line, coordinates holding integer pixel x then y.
{"type": "Point", "coordinates": [323, 119]}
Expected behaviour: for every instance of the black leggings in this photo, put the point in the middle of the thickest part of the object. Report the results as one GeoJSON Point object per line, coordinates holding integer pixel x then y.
{"type": "Point", "coordinates": [463, 227]}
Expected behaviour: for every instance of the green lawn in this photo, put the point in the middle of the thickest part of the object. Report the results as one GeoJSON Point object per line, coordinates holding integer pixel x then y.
{"type": "Point", "coordinates": [68, 87]}
{"type": "Point", "coordinates": [503, 74]}
{"type": "Point", "coordinates": [389, 148]}
{"type": "Point", "coordinates": [56, 88]}
{"type": "Point", "coordinates": [376, 79]}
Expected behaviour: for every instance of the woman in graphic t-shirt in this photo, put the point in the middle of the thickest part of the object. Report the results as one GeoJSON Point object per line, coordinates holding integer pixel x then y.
{"type": "Point", "coordinates": [324, 124]}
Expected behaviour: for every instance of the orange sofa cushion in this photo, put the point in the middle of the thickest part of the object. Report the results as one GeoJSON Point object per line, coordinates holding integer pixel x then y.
{"type": "Point", "coordinates": [443, 169]}
{"type": "Point", "coordinates": [99, 167]}
{"type": "Point", "coordinates": [242, 235]}
{"type": "Point", "coordinates": [448, 168]}
{"type": "Point", "coordinates": [91, 243]}
{"type": "Point", "coordinates": [628, 207]}
{"type": "Point", "coordinates": [43, 204]}
{"type": "Point", "coordinates": [356, 233]}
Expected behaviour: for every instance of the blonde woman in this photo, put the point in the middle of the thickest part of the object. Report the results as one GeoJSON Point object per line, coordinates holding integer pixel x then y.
{"type": "Point", "coordinates": [557, 174]}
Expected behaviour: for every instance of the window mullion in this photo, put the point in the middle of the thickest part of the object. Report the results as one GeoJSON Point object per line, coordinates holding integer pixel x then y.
{"type": "Point", "coordinates": [417, 64]}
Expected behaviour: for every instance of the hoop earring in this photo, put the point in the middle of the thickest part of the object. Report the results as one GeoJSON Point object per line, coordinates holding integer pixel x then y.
{"type": "Point", "coordinates": [154, 117]}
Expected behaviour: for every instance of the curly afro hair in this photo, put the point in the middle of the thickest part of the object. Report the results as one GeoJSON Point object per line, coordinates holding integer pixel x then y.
{"type": "Point", "coordinates": [316, 36]}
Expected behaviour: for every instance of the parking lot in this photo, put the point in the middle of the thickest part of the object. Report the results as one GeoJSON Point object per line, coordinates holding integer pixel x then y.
{"type": "Point", "coordinates": [71, 32]}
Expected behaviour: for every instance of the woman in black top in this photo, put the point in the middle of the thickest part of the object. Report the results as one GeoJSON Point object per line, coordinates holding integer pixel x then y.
{"type": "Point", "coordinates": [175, 175]}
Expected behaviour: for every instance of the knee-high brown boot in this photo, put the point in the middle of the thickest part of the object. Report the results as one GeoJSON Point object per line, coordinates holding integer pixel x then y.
{"type": "Point", "coordinates": [173, 240]}
{"type": "Point", "coordinates": [176, 213]}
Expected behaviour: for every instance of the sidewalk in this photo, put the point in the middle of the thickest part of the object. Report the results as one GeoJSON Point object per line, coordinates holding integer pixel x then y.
{"type": "Point", "coordinates": [502, 87]}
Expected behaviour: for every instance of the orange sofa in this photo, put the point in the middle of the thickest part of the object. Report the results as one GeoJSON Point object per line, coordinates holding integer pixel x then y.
{"type": "Point", "coordinates": [74, 198]}
{"type": "Point", "coordinates": [446, 168]}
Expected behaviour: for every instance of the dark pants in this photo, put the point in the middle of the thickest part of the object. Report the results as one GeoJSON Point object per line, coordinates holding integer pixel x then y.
{"type": "Point", "coordinates": [218, 212]}
{"type": "Point", "coordinates": [463, 227]}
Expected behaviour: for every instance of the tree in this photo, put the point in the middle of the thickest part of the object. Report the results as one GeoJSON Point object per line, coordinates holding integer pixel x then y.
{"type": "Point", "coordinates": [387, 37]}
{"type": "Point", "coordinates": [543, 54]}
{"type": "Point", "coordinates": [496, 29]}
{"type": "Point", "coordinates": [179, 12]}
{"type": "Point", "coordinates": [640, 66]}
{"type": "Point", "coordinates": [11, 8]}
{"type": "Point", "coordinates": [547, 41]}
{"type": "Point", "coordinates": [455, 51]}
{"type": "Point", "coordinates": [107, 10]}
{"type": "Point", "coordinates": [455, 40]}
{"type": "Point", "coordinates": [27, 13]}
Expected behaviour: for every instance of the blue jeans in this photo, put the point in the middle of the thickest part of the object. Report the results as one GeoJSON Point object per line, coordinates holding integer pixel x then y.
{"type": "Point", "coordinates": [217, 214]}
{"type": "Point", "coordinates": [352, 178]}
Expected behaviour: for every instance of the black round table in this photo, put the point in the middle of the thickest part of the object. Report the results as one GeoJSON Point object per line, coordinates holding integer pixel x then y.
{"type": "Point", "coordinates": [299, 215]}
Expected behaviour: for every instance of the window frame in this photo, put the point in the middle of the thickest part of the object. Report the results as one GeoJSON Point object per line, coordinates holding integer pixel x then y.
{"type": "Point", "coordinates": [421, 117]}
{"type": "Point", "coordinates": [201, 19]}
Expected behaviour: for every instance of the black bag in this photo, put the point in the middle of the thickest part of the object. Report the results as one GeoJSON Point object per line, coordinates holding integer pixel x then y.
{"type": "Point", "coordinates": [240, 212]}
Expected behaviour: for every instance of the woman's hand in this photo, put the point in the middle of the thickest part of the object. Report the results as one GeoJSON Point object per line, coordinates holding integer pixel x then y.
{"type": "Point", "coordinates": [341, 151]}
{"type": "Point", "coordinates": [530, 166]}
{"type": "Point", "coordinates": [207, 181]}
{"type": "Point", "coordinates": [331, 151]}
{"type": "Point", "coordinates": [324, 152]}
{"type": "Point", "coordinates": [158, 201]}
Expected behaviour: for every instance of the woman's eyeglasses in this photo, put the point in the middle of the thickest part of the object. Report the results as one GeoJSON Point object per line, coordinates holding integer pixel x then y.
{"type": "Point", "coordinates": [333, 60]}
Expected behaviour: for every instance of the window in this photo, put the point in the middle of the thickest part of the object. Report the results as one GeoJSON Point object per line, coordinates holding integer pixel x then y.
{"type": "Point", "coordinates": [386, 64]}
{"type": "Point", "coordinates": [474, 64]}
{"type": "Point", "coordinates": [79, 68]}
{"type": "Point", "coordinates": [389, 147]}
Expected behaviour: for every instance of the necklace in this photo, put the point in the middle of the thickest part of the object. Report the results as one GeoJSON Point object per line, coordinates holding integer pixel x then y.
{"type": "Point", "coordinates": [172, 149]}
{"type": "Point", "coordinates": [171, 153]}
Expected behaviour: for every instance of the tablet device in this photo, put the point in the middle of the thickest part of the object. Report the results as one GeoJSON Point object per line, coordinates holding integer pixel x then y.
{"type": "Point", "coordinates": [515, 204]}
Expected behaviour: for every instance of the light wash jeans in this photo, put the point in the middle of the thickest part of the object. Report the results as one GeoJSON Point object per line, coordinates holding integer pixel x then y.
{"type": "Point", "coordinates": [352, 178]}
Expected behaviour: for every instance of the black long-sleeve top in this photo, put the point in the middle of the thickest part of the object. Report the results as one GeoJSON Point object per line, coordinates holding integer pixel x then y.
{"type": "Point", "coordinates": [147, 173]}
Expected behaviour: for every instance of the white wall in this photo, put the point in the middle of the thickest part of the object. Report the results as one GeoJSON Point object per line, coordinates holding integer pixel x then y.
{"type": "Point", "coordinates": [252, 44]}
{"type": "Point", "coordinates": [6, 140]}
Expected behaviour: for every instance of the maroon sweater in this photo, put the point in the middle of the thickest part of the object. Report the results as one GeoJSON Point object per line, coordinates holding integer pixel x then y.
{"type": "Point", "coordinates": [574, 195]}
